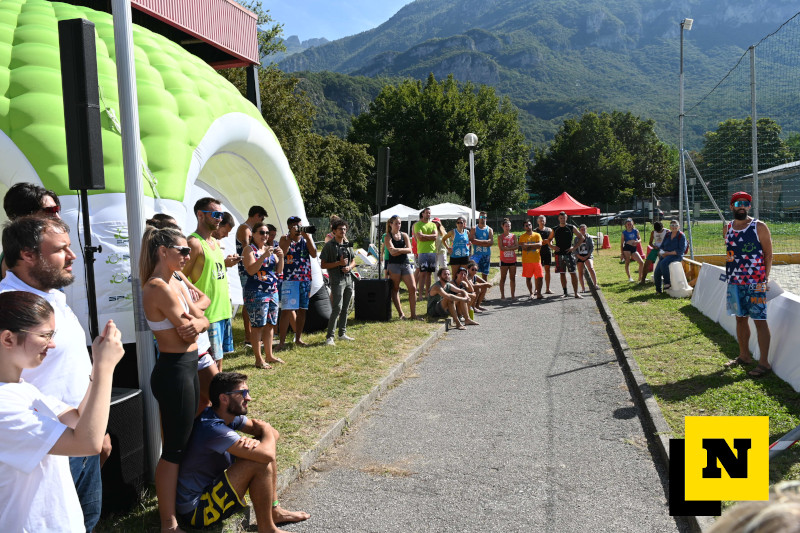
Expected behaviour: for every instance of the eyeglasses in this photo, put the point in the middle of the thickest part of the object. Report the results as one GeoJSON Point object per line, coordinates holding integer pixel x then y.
{"type": "Point", "coordinates": [459, 221]}
{"type": "Point", "coordinates": [52, 209]}
{"type": "Point", "coordinates": [263, 232]}
{"type": "Point", "coordinates": [46, 335]}
{"type": "Point", "coordinates": [741, 203]}
{"type": "Point", "coordinates": [473, 269]}
{"type": "Point", "coordinates": [183, 250]}
{"type": "Point", "coordinates": [244, 392]}
{"type": "Point", "coordinates": [215, 214]}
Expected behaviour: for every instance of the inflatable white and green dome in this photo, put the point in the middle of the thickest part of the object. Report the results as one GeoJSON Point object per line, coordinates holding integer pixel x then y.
{"type": "Point", "coordinates": [199, 137]}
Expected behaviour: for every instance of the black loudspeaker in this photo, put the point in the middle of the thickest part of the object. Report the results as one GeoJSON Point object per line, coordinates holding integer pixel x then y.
{"type": "Point", "coordinates": [124, 471]}
{"type": "Point", "coordinates": [373, 299]}
{"type": "Point", "coordinates": [81, 104]}
{"type": "Point", "coordinates": [382, 185]}
{"type": "Point", "coordinates": [319, 311]}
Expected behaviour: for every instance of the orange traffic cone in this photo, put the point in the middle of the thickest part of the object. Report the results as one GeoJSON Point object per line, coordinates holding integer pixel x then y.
{"type": "Point", "coordinates": [606, 242]}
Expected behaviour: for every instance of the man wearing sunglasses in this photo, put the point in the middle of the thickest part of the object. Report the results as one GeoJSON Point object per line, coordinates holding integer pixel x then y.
{"type": "Point", "coordinates": [749, 246]}
{"type": "Point", "coordinates": [207, 269]}
{"type": "Point", "coordinates": [211, 484]}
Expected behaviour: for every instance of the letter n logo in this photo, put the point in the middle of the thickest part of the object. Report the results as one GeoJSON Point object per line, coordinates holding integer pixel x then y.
{"type": "Point", "coordinates": [734, 465]}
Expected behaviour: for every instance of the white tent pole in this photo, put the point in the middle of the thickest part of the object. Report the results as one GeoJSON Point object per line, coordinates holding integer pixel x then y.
{"type": "Point", "coordinates": [132, 164]}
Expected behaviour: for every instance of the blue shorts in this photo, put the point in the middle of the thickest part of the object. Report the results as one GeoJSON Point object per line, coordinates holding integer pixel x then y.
{"type": "Point", "coordinates": [292, 298]}
{"type": "Point", "coordinates": [748, 300]}
{"type": "Point", "coordinates": [483, 261]}
{"type": "Point", "coordinates": [427, 262]}
{"type": "Point", "coordinates": [220, 335]}
{"type": "Point", "coordinates": [262, 308]}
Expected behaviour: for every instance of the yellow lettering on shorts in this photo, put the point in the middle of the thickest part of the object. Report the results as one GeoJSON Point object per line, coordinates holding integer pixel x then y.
{"type": "Point", "coordinates": [210, 515]}
{"type": "Point", "coordinates": [221, 501]}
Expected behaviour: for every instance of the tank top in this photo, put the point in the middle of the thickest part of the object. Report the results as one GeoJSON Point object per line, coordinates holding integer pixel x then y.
{"type": "Point", "coordinates": [460, 244]}
{"type": "Point", "coordinates": [265, 279]}
{"type": "Point", "coordinates": [658, 238]}
{"type": "Point", "coordinates": [165, 324]}
{"type": "Point", "coordinates": [745, 262]}
{"type": "Point", "coordinates": [631, 235]}
{"type": "Point", "coordinates": [544, 251]}
{"type": "Point", "coordinates": [482, 234]}
{"type": "Point", "coordinates": [398, 243]}
{"type": "Point", "coordinates": [297, 265]}
{"type": "Point", "coordinates": [508, 256]}
{"type": "Point", "coordinates": [213, 282]}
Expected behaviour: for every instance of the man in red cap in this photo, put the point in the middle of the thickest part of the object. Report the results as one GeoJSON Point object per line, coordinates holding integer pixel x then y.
{"type": "Point", "coordinates": [749, 261]}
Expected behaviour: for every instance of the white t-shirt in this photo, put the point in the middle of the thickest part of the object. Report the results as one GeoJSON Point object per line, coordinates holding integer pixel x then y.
{"type": "Point", "coordinates": [64, 373]}
{"type": "Point", "coordinates": [36, 489]}
{"type": "Point", "coordinates": [658, 237]}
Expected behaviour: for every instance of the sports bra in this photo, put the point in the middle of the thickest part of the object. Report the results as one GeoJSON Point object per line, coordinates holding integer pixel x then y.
{"type": "Point", "coordinates": [165, 324]}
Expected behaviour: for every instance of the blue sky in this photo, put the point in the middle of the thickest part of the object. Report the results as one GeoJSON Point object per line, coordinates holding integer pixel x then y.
{"type": "Point", "coordinates": [331, 19]}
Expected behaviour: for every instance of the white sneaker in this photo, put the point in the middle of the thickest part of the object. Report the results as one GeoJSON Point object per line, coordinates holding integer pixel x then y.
{"type": "Point", "coordinates": [329, 342]}
{"type": "Point", "coordinates": [346, 337]}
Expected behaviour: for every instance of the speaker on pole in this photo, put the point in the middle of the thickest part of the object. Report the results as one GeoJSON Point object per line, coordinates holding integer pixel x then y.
{"type": "Point", "coordinates": [81, 104]}
{"type": "Point", "coordinates": [382, 185]}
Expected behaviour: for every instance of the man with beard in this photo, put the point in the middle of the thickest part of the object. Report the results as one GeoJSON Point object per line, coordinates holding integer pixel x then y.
{"type": "Point", "coordinates": [207, 270]}
{"type": "Point", "coordinates": [39, 258]}
{"type": "Point", "coordinates": [749, 245]}
{"type": "Point", "coordinates": [211, 486]}
{"type": "Point", "coordinates": [563, 249]}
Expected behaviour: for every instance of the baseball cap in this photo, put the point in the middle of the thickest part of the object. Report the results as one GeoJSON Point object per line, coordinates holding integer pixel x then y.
{"type": "Point", "coordinates": [292, 219]}
{"type": "Point", "coordinates": [741, 195]}
{"type": "Point", "coordinates": [436, 219]}
{"type": "Point", "coordinates": [562, 213]}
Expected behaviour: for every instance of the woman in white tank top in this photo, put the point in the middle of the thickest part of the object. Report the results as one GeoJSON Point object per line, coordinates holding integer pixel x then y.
{"type": "Point", "coordinates": [656, 238]}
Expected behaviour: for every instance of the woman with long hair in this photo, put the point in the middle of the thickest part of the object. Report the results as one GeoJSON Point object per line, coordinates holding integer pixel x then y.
{"type": "Point", "coordinates": [457, 243]}
{"type": "Point", "coordinates": [36, 488]}
{"type": "Point", "coordinates": [263, 263]}
{"type": "Point", "coordinates": [507, 242]}
{"type": "Point", "coordinates": [176, 323]}
{"type": "Point", "coordinates": [399, 246]}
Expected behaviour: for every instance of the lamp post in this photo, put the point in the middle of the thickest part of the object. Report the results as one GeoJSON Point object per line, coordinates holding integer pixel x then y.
{"type": "Point", "coordinates": [470, 141]}
{"type": "Point", "coordinates": [686, 24]}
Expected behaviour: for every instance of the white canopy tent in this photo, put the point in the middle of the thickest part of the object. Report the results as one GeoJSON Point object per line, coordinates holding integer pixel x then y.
{"type": "Point", "coordinates": [449, 211]}
{"type": "Point", "coordinates": [405, 213]}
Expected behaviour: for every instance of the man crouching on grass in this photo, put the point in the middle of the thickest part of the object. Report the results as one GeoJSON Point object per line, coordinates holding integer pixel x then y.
{"type": "Point", "coordinates": [220, 466]}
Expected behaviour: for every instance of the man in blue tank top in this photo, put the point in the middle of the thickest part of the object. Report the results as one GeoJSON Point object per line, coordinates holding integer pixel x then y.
{"type": "Point", "coordinates": [482, 238]}
{"type": "Point", "coordinates": [749, 247]}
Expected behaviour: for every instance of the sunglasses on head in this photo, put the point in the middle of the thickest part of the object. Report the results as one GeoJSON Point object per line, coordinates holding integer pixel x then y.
{"type": "Point", "coordinates": [215, 214]}
{"type": "Point", "coordinates": [183, 250]}
{"type": "Point", "coordinates": [741, 203]}
{"type": "Point", "coordinates": [52, 209]}
{"type": "Point", "coordinates": [244, 392]}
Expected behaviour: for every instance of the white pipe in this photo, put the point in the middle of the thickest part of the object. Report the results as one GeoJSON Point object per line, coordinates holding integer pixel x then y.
{"type": "Point", "coordinates": [131, 157]}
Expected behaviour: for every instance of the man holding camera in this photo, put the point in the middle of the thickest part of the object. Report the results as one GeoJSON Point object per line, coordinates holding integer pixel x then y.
{"type": "Point", "coordinates": [338, 258]}
{"type": "Point", "coordinates": [298, 249]}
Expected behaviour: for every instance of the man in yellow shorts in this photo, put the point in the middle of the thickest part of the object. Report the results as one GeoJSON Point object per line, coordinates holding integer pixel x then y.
{"type": "Point", "coordinates": [531, 243]}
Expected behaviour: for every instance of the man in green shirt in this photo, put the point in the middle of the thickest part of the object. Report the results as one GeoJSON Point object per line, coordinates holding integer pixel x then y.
{"type": "Point", "coordinates": [338, 258]}
{"type": "Point", "coordinates": [207, 269]}
{"type": "Point", "coordinates": [425, 233]}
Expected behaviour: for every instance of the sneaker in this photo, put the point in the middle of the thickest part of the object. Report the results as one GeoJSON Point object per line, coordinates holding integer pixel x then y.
{"type": "Point", "coordinates": [345, 337]}
{"type": "Point", "coordinates": [330, 342]}
{"type": "Point", "coordinates": [247, 344]}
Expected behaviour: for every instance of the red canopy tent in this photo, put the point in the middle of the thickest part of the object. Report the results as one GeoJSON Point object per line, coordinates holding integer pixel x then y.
{"type": "Point", "coordinates": [564, 202]}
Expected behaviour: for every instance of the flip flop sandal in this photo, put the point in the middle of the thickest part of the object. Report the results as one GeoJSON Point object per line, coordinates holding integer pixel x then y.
{"type": "Point", "coordinates": [736, 362]}
{"type": "Point", "coordinates": [759, 372]}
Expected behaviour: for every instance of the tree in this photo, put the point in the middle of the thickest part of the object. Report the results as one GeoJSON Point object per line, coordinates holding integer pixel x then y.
{"type": "Point", "coordinates": [424, 126]}
{"type": "Point", "coordinates": [727, 151]}
{"type": "Point", "coordinates": [605, 158]}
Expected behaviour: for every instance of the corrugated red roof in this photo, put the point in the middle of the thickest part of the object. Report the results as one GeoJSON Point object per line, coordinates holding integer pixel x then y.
{"type": "Point", "coordinates": [223, 24]}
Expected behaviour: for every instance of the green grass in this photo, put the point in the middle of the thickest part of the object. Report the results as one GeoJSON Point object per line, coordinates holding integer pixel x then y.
{"type": "Point", "coordinates": [681, 354]}
{"type": "Point", "coordinates": [316, 387]}
{"type": "Point", "coordinates": [707, 236]}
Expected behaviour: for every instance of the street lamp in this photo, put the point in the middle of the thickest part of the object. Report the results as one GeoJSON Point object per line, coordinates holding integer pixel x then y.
{"type": "Point", "coordinates": [470, 141]}
{"type": "Point", "coordinates": [686, 24]}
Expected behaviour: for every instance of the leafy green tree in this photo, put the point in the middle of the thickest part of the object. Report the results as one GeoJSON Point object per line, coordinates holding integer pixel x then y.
{"type": "Point", "coordinates": [604, 158]}
{"type": "Point", "coordinates": [424, 126]}
{"type": "Point", "coordinates": [727, 151]}
{"type": "Point", "coordinates": [793, 144]}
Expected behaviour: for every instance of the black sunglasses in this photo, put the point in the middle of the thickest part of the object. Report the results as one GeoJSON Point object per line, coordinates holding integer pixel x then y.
{"type": "Point", "coordinates": [183, 250]}
{"type": "Point", "coordinates": [263, 233]}
{"type": "Point", "coordinates": [244, 392]}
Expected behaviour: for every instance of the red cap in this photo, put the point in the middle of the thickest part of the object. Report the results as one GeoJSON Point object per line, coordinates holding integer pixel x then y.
{"type": "Point", "coordinates": [436, 220]}
{"type": "Point", "coordinates": [741, 195]}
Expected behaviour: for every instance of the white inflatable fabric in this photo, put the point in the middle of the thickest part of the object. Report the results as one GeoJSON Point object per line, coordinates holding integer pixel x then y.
{"type": "Point", "coordinates": [679, 287]}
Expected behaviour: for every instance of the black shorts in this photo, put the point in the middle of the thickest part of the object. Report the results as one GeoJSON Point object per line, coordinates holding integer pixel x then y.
{"type": "Point", "coordinates": [438, 310]}
{"type": "Point", "coordinates": [565, 263]}
{"type": "Point", "coordinates": [459, 260]}
{"type": "Point", "coordinates": [629, 248]}
{"type": "Point", "coordinates": [546, 256]}
{"type": "Point", "coordinates": [515, 264]}
{"type": "Point", "coordinates": [218, 501]}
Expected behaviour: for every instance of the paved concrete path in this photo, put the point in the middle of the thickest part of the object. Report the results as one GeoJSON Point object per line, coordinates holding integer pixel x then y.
{"type": "Point", "coordinates": [523, 423]}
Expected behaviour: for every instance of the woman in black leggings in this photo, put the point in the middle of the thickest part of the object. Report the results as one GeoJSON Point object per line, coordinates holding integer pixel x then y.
{"type": "Point", "coordinates": [176, 323]}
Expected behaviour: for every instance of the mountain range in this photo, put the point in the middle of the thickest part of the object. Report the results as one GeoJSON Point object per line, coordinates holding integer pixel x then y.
{"type": "Point", "coordinates": [554, 59]}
